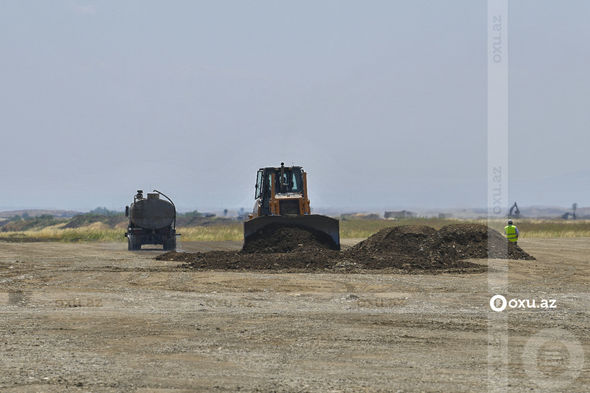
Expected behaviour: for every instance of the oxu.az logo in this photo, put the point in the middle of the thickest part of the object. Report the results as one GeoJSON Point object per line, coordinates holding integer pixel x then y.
{"type": "Point", "coordinates": [499, 303]}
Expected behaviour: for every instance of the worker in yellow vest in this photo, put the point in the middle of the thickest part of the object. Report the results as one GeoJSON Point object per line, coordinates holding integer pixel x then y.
{"type": "Point", "coordinates": [511, 232]}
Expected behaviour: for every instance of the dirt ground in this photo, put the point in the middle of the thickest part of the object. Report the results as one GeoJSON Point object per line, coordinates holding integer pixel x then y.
{"type": "Point", "coordinates": [97, 318]}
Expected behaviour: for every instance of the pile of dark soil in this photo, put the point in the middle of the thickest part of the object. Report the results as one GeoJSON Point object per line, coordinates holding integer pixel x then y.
{"type": "Point", "coordinates": [311, 260]}
{"type": "Point", "coordinates": [462, 241]}
{"type": "Point", "coordinates": [280, 239]}
{"type": "Point", "coordinates": [422, 245]}
{"type": "Point", "coordinates": [302, 260]}
{"type": "Point", "coordinates": [412, 248]}
{"type": "Point", "coordinates": [402, 246]}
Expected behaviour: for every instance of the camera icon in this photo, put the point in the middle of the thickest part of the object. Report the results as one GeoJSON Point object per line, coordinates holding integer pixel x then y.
{"type": "Point", "coordinates": [553, 359]}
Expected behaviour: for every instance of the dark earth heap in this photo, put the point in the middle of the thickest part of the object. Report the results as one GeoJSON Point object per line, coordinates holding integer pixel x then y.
{"type": "Point", "coordinates": [410, 248]}
{"type": "Point", "coordinates": [279, 238]}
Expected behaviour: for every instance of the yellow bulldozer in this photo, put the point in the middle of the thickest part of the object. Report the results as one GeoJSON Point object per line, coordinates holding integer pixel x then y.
{"type": "Point", "coordinates": [282, 200]}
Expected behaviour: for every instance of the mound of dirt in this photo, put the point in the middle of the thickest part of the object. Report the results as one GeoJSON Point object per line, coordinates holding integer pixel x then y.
{"type": "Point", "coordinates": [423, 245]}
{"type": "Point", "coordinates": [302, 260]}
{"type": "Point", "coordinates": [281, 239]}
{"type": "Point", "coordinates": [307, 260]}
{"type": "Point", "coordinates": [403, 246]}
{"type": "Point", "coordinates": [462, 241]}
{"type": "Point", "coordinates": [402, 240]}
{"type": "Point", "coordinates": [414, 248]}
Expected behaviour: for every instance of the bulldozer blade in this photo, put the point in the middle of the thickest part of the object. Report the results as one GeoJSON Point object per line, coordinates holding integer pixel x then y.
{"type": "Point", "coordinates": [327, 225]}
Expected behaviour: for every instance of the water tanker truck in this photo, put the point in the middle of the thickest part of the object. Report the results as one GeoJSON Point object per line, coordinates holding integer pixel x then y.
{"type": "Point", "coordinates": [152, 220]}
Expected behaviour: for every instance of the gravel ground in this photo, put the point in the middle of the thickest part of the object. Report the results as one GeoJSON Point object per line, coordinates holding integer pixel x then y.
{"type": "Point", "coordinates": [97, 318]}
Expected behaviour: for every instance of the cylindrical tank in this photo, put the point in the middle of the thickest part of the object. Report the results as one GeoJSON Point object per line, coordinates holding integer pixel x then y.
{"type": "Point", "coordinates": [152, 213]}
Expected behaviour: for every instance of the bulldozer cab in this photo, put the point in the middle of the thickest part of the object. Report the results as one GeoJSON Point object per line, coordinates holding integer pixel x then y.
{"type": "Point", "coordinates": [282, 188]}
{"type": "Point", "coordinates": [287, 180]}
{"type": "Point", "coordinates": [281, 200]}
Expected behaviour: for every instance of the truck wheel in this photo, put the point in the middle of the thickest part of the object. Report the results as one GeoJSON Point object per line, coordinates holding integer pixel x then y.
{"type": "Point", "coordinates": [170, 244]}
{"type": "Point", "coordinates": [133, 243]}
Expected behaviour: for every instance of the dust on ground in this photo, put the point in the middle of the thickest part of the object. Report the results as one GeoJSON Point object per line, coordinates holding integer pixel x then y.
{"type": "Point", "coordinates": [97, 318]}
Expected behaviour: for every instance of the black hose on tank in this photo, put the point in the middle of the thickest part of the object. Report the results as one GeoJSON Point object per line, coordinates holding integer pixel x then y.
{"type": "Point", "coordinates": [170, 200]}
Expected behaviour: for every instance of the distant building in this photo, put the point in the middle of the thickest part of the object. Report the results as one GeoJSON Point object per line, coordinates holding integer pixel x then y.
{"type": "Point", "coordinates": [399, 214]}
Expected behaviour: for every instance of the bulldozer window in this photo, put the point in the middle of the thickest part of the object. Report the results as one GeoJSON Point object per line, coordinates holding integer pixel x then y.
{"type": "Point", "coordinates": [258, 185]}
{"type": "Point", "coordinates": [290, 182]}
{"type": "Point", "coordinates": [294, 183]}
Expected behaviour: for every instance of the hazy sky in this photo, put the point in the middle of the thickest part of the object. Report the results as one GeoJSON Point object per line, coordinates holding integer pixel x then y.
{"type": "Point", "coordinates": [382, 102]}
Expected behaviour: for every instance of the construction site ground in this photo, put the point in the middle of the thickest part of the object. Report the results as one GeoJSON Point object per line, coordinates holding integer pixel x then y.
{"type": "Point", "coordinates": [94, 317]}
